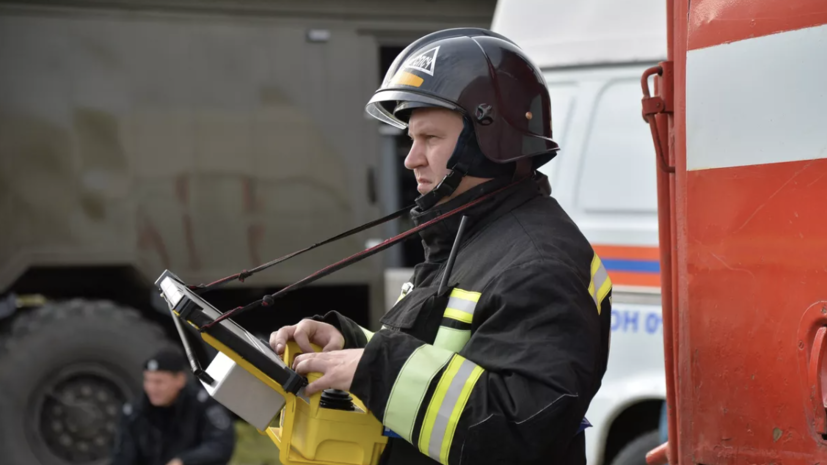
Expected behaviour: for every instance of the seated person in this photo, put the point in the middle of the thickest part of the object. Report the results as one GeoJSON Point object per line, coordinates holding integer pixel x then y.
{"type": "Point", "coordinates": [173, 422]}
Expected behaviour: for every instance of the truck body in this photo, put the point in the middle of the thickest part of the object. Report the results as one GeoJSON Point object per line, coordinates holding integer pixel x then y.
{"type": "Point", "coordinates": [203, 137]}
{"type": "Point", "coordinates": [740, 126]}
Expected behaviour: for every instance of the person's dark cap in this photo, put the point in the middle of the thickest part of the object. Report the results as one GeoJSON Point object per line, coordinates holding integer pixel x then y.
{"type": "Point", "coordinates": [166, 360]}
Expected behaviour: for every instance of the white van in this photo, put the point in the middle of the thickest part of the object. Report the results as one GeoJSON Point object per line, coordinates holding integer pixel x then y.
{"type": "Point", "coordinates": [593, 53]}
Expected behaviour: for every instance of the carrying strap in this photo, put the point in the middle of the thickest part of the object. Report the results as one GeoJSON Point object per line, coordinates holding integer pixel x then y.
{"type": "Point", "coordinates": [244, 274]}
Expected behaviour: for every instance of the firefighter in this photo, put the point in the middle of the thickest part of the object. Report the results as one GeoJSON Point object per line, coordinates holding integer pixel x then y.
{"type": "Point", "coordinates": [497, 359]}
{"type": "Point", "coordinates": [174, 422]}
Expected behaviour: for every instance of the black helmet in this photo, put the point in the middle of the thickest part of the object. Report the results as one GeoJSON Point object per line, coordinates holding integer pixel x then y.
{"type": "Point", "coordinates": [485, 77]}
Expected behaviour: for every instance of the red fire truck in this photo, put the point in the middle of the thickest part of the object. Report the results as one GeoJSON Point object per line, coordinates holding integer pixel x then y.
{"type": "Point", "coordinates": [738, 116]}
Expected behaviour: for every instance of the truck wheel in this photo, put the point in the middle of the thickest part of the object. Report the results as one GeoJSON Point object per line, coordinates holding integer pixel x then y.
{"type": "Point", "coordinates": [634, 453]}
{"type": "Point", "coordinates": [66, 370]}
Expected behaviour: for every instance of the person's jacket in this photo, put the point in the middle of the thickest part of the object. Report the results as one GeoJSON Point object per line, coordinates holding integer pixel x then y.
{"type": "Point", "coordinates": [195, 429]}
{"type": "Point", "coordinates": [502, 365]}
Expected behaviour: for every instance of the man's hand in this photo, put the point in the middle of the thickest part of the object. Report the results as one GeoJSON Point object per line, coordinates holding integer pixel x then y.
{"type": "Point", "coordinates": [306, 332]}
{"type": "Point", "coordinates": [175, 462]}
{"type": "Point", "coordinates": [337, 368]}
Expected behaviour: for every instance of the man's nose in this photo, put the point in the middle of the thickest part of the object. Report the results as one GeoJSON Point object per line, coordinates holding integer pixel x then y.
{"type": "Point", "coordinates": [416, 157]}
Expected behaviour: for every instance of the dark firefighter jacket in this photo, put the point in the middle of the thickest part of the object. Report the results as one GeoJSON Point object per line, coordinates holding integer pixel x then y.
{"type": "Point", "coordinates": [195, 429]}
{"type": "Point", "coordinates": [501, 367]}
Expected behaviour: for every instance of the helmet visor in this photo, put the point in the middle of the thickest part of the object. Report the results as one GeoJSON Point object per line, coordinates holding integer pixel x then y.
{"type": "Point", "coordinates": [379, 103]}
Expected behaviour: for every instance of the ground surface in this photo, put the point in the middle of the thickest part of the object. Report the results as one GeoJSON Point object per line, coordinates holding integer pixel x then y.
{"type": "Point", "coordinates": [252, 448]}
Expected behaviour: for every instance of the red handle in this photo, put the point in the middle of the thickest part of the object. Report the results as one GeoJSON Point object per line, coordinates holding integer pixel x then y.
{"type": "Point", "coordinates": [814, 375]}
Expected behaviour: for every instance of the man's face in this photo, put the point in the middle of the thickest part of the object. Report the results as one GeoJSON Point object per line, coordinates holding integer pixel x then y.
{"type": "Point", "coordinates": [434, 132]}
{"type": "Point", "coordinates": [162, 387]}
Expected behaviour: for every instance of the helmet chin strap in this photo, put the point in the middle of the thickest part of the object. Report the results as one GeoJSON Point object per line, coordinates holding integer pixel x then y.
{"type": "Point", "coordinates": [445, 188]}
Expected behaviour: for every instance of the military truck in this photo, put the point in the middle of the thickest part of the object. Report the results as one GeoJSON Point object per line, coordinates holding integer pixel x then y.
{"type": "Point", "coordinates": [204, 137]}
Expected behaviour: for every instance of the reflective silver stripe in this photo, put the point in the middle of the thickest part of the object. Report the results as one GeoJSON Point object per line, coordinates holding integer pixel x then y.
{"type": "Point", "coordinates": [447, 408]}
{"type": "Point", "coordinates": [599, 278]}
{"type": "Point", "coordinates": [462, 305]}
{"type": "Point", "coordinates": [600, 284]}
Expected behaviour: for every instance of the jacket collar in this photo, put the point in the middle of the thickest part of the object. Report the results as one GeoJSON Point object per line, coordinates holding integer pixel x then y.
{"type": "Point", "coordinates": [438, 239]}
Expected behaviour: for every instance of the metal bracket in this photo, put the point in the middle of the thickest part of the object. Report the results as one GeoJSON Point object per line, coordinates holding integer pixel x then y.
{"type": "Point", "coordinates": [664, 102]}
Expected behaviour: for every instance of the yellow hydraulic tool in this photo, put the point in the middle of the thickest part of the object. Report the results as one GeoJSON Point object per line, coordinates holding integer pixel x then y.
{"type": "Point", "coordinates": [249, 378]}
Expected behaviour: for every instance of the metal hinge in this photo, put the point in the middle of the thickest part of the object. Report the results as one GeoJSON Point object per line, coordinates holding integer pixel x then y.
{"type": "Point", "coordinates": [663, 102]}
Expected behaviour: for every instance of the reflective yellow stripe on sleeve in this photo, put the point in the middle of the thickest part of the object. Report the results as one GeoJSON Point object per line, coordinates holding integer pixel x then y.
{"type": "Point", "coordinates": [460, 308]}
{"type": "Point", "coordinates": [458, 315]}
{"type": "Point", "coordinates": [446, 406]}
{"type": "Point", "coordinates": [600, 284]}
{"type": "Point", "coordinates": [410, 387]}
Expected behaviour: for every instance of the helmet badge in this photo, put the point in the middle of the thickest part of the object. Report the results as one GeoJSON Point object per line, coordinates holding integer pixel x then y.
{"type": "Point", "coordinates": [424, 62]}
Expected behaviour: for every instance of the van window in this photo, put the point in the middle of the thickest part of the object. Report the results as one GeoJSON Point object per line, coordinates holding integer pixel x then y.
{"type": "Point", "coordinates": [562, 102]}
{"type": "Point", "coordinates": [618, 167]}
{"type": "Point", "coordinates": [562, 99]}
